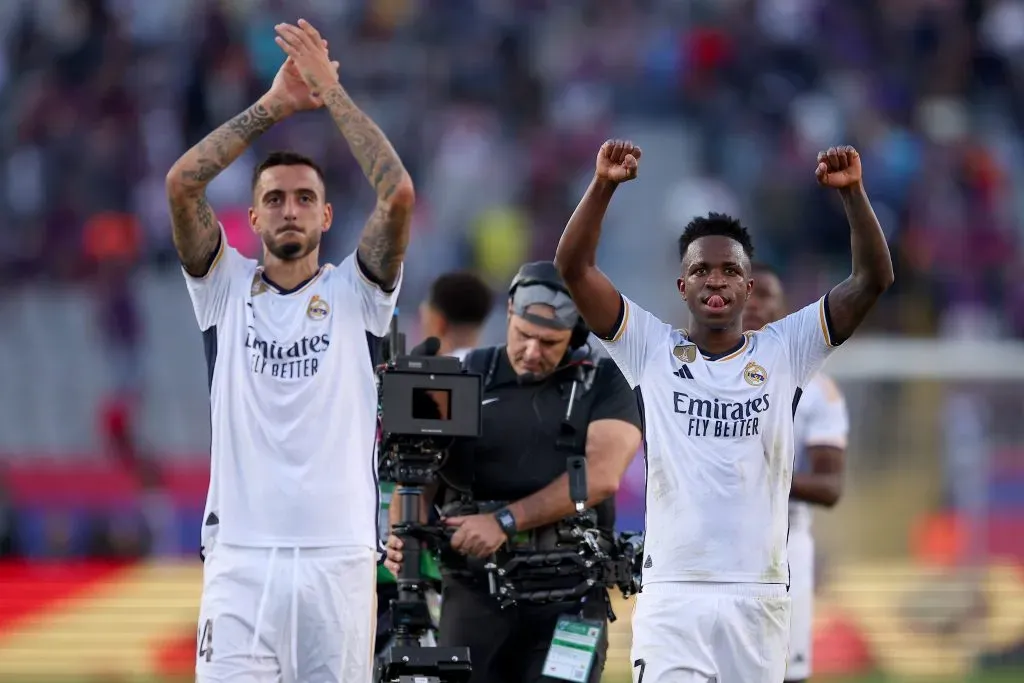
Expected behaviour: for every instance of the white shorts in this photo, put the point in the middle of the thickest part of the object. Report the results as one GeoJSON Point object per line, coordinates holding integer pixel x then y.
{"type": "Point", "coordinates": [801, 591]}
{"type": "Point", "coordinates": [721, 632]}
{"type": "Point", "coordinates": [283, 615]}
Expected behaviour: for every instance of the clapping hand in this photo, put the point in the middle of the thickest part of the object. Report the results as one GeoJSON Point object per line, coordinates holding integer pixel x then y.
{"type": "Point", "coordinates": [307, 52]}
{"type": "Point", "coordinates": [290, 91]}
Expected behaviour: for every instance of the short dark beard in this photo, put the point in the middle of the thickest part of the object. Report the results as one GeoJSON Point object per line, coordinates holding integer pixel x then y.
{"type": "Point", "coordinates": [291, 251]}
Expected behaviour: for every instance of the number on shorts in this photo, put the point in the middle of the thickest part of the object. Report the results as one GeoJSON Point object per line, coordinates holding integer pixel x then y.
{"type": "Point", "coordinates": [206, 641]}
{"type": "Point", "coordinates": [640, 664]}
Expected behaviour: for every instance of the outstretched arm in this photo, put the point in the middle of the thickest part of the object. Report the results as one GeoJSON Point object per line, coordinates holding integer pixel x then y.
{"type": "Point", "coordinates": [871, 274]}
{"type": "Point", "coordinates": [595, 296]}
{"type": "Point", "coordinates": [195, 231]}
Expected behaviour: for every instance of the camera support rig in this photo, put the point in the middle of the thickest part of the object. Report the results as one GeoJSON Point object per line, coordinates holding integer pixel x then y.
{"type": "Point", "coordinates": [414, 466]}
{"type": "Point", "coordinates": [587, 555]}
{"type": "Point", "coordinates": [425, 402]}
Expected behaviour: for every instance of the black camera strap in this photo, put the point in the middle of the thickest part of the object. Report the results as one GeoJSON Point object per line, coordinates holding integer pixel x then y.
{"type": "Point", "coordinates": [572, 436]}
{"type": "Point", "coordinates": [483, 362]}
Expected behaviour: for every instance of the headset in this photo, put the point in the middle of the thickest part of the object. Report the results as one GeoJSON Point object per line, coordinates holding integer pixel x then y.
{"type": "Point", "coordinates": [544, 273]}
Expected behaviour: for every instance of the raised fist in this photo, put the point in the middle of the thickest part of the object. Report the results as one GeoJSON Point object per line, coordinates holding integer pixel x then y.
{"type": "Point", "coordinates": [618, 161]}
{"type": "Point", "coordinates": [839, 167]}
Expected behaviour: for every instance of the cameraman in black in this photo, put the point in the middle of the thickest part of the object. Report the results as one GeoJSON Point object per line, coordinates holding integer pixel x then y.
{"type": "Point", "coordinates": [522, 458]}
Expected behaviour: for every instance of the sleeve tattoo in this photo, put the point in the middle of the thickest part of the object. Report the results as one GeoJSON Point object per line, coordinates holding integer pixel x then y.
{"type": "Point", "coordinates": [194, 225]}
{"type": "Point", "coordinates": [386, 234]}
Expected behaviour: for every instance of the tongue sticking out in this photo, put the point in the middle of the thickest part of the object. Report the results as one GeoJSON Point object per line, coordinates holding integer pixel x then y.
{"type": "Point", "coordinates": [716, 302]}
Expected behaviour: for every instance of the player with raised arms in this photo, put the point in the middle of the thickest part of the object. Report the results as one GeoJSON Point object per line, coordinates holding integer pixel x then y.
{"type": "Point", "coordinates": [820, 428]}
{"type": "Point", "coordinates": [718, 407]}
{"type": "Point", "coordinates": [290, 534]}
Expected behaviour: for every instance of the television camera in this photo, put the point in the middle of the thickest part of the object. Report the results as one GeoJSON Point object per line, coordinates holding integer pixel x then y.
{"type": "Point", "coordinates": [425, 403]}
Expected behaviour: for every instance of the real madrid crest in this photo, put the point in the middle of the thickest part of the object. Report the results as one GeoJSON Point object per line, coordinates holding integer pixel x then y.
{"type": "Point", "coordinates": [755, 374]}
{"type": "Point", "coordinates": [317, 309]}
{"type": "Point", "coordinates": [685, 353]}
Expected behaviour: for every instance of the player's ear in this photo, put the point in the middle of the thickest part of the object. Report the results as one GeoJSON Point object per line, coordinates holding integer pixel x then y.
{"type": "Point", "coordinates": [328, 216]}
{"type": "Point", "coordinates": [750, 287]}
{"type": "Point", "coordinates": [253, 220]}
{"type": "Point", "coordinates": [681, 286]}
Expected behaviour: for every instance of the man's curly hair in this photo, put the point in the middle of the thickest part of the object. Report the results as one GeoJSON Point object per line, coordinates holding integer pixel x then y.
{"type": "Point", "coordinates": [718, 224]}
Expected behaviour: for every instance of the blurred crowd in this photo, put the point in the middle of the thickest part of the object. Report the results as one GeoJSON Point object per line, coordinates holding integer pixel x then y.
{"type": "Point", "coordinates": [497, 107]}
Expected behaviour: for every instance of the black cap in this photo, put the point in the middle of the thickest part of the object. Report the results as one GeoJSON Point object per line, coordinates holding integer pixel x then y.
{"type": "Point", "coordinates": [539, 283]}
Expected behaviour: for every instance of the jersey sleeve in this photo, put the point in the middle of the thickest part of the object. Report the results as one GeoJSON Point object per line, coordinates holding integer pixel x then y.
{"type": "Point", "coordinates": [807, 338]}
{"type": "Point", "coordinates": [615, 400]}
{"type": "Point", "coordinates": [378, 306]}
{"type": "Point", "coordinates": [211, 292]}
{"type": "Point", "coordinates": [826, 422]}
{"type": "Point", "coordinates": [634, 339]}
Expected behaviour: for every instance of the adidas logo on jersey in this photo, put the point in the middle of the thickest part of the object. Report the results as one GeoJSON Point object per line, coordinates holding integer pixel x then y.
{"type": "Point", "coordinates": [648, 563]}
{"type": "Point", "coordinates": [684, 372]}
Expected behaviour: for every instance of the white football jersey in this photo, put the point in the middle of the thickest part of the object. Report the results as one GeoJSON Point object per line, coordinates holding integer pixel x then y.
{"type": "Point", "coordinates": [719, 443]}
{"type": "Point", "coordinates": [293, 403]}
{"type": "Point", "coordinates": [820, 420]}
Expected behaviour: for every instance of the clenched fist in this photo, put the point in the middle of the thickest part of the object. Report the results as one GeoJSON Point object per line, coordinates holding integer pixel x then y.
{"type": "Point", "coordinates": [618, 161]}
{"type": "Point", "coordinates": [839, 167]}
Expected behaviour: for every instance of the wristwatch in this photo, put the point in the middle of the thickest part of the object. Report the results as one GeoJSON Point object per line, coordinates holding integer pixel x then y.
{"type": "Point", "coordinates": [507, 521]}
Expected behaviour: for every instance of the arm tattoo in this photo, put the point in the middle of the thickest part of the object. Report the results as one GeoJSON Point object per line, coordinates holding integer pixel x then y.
{"type": "Point", "coordinates": [195, 231]}
{"type": "Point", "coordinates": [383, 242]}
{"type": "Point", "coordinates": [386, 234]}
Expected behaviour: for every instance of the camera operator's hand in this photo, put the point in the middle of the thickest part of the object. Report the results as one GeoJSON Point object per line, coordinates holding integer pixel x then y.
{"type": "Point", "coordinates": [476, 535]}
{"type": "Point", "coordinates": [393, 561]}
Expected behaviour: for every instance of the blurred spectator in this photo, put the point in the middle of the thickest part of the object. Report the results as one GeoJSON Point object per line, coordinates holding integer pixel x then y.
{"type": "Point", "coordinates": [498, 108]}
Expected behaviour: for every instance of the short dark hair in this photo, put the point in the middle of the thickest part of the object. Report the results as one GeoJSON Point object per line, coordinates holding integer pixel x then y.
{"type": "Point", "coordinates": [284, 158]}
{"type": "Point", "coordinates": [462, 297]}
{"type": "Point", "coordinates": [718, 224]}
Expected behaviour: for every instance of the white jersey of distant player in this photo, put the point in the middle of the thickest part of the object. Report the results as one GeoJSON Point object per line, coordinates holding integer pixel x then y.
{"type": "Point", "coordinates": [719, 439]}
{"type": "Point", "coordinates": [821, 420]}
{"type": "Point", "coordinates": [293, 401]}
